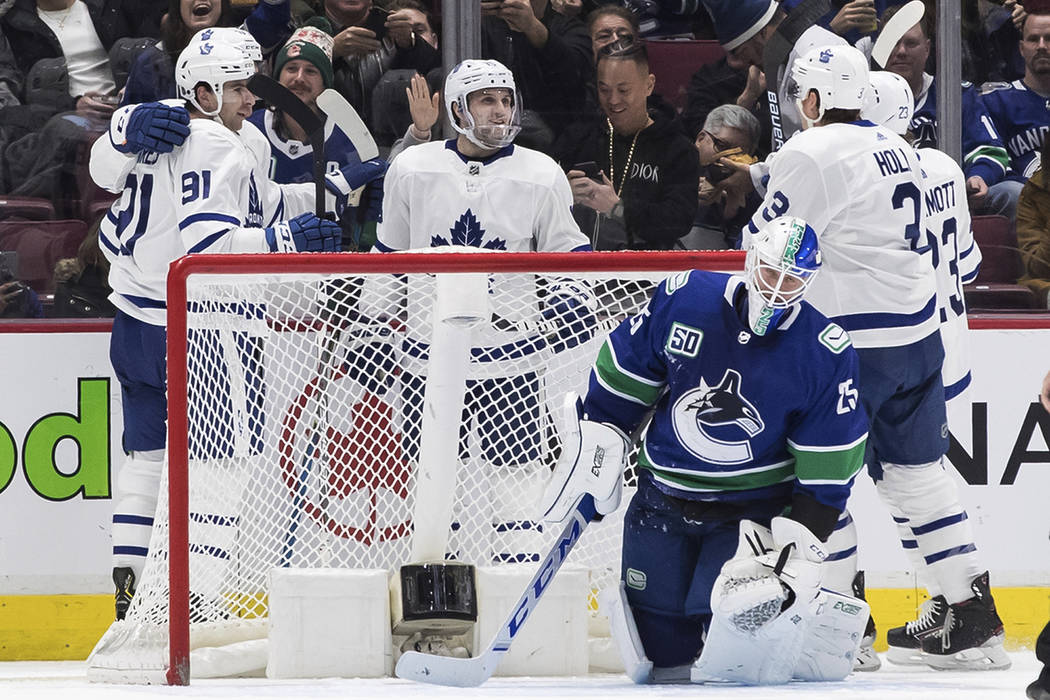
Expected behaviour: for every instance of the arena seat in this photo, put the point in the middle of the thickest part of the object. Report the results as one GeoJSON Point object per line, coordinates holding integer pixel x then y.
{"type": "Point", "coordinates": [673, 62]}
{"type": "Point", "coordinates": [996, 285]}
{"type": "Point", "coordinates": [36, 208]}
{"type": "Point", "coordinates": [40, 244]}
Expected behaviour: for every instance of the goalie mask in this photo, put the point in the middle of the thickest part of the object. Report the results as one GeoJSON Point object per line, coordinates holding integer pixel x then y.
{"type": "Point", "coordinates": [889, 102]}
{"type": "Point", "coordinates": [780, 265]}
{"type": "Point", "coordinates": [839, 74]}
{"type": "Point", "coordinates": [215, 57]}
{"type": "Point", "coordinates": [473, 76]}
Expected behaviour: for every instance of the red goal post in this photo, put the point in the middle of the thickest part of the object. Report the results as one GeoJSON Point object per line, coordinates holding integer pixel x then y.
{"type": "Point", "coordinates": [258, 269]}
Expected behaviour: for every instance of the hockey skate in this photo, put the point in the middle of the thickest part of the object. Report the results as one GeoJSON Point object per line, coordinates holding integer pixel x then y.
{"type": "Point", "coordinates": [124, 579]}
{"type": "Point", "coordinates": [971, 636]}
{"type": "Point", "coordinates": [1037, 691]}
{"type": "Point", "coordinates": [866, 659]}
{"type": "Point", "coordinates": [905, 642]}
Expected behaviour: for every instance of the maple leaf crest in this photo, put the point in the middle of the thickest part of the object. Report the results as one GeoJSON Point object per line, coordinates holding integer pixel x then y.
{"type": "Point", "coordinates": [467, 231]}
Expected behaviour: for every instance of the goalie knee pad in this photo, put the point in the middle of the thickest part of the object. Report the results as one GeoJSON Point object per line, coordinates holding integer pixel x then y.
{"type": "Point", "coordinates": [926, 496]}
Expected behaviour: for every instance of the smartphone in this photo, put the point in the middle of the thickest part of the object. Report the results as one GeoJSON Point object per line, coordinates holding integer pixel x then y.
{"type": "Point", "coordinates": [590, 169]}
{"type": "Point", "coordinates": [108, 99]}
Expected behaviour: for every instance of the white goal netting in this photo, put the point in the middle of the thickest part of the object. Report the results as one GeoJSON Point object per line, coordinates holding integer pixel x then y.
{"type": "Point", "coordinates": [311, 398]}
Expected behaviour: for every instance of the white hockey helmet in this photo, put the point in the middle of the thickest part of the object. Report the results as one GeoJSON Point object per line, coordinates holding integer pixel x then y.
{"type": "Point", "coordinates": [889, 102]}
{"type": "Point", "coordinates": [839, 74]}
{"type": "Point", "coordinates": [214, 57]}
{"type": "Point", "coordinates": [781, 262]}
{"type": "Point", "coordinates": [471, 76]}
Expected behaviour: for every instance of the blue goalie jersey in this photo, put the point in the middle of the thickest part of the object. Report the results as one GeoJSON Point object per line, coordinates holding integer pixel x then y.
{"type": "Point", "coordinates": [738, 417]}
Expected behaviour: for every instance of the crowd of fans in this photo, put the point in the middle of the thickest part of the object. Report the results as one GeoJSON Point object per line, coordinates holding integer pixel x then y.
{"type": "Point", "coordinates": [581, 70]}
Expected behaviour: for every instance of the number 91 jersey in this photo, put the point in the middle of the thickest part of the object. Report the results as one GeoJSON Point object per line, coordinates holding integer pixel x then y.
{"type": "Point", "coordinates": [860, 187]}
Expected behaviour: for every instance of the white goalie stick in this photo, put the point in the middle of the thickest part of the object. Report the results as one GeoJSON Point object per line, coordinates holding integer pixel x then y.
{"type": "Point", "coordinates": [468, 673]}
{"type": "Point", "coordinates": [897, 26]}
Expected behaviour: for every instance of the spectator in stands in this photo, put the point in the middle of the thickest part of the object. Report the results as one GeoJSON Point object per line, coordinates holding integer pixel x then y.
{"type": "Point", "coordinates": [1033, 229]}
{"type": "Point", "coordinates": [369, 41]}
{"type": "Point", "coordinates": [609, 23]}
{"type": "Point", "coordinates": [425, 109]}
{"type": "Point", "coordinates": [411, 19]}
{"type": "Point", "coordinates": [550, 56]}
{"type": "Point", "coordinates": [718, 84]}
{"type": "Point", "coordinates": [11, 78]}
{"type": "Point", "coordinates": [1018, 109]}
{"type": "Point", "coordinates": [80, 32]}
{"type": "Point", "coordinates": [729, 131]}
{"type": "Point", "coordinates": [152, 76]}
{"type": "Point", "coordinates": [17, 300]}
{"type": "Point", "coordinates": [304, 66]}
{"type": "Point", "coordinates": [82, 283]}
{"type": "Point", "coordinates": [985, 160]}
{"type": "Point", "coordinates": [643, 196]}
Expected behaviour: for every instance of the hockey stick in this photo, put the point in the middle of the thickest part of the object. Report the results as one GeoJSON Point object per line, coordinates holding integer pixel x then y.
{"type": "Point", "coordinates": [468, 673]}
{"type": "Point", "coordinates": [777, 49]}
{"type": "Point", "coordinates": [280, 97]}
{"type": "Point", "coordinates": [349, 122]}
{"type": "Point", "coordinates": [897, 26]}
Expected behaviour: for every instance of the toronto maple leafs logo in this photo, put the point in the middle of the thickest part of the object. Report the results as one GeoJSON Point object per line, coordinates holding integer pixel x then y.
{"type": "Point", "coordinates": [467, 231]}
{"type": "Point", "coordinates": [717, 422]}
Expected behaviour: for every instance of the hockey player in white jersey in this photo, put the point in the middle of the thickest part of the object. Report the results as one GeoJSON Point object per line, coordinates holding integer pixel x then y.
{"type": "Point", "coordinates": [860, 185]}
{"type": "Point", "coordinates": [956, 259]}
{"type": "Point", "coordinates": [482, 191]}
{"type": "Point", "coordinates": [211, 195]}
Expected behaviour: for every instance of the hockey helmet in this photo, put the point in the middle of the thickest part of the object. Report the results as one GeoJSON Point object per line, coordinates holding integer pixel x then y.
{"type": "Point", "coordinates": [839, 74]}
{"type": "Point", "coordinates": [889, 101]}
{"type": "Point", "coordinates": [471, 76]}
{"type": "Point", "coordinates": [214, 57]}
{"type": "Point", "coordinates": [781, 262]}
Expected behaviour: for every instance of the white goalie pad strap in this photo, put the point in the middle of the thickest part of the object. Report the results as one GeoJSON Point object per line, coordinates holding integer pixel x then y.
{"type": "Point", "coordinates": [832, 637]}
{"type": "Point", "coordinates": [592, 461]}
{"type": "Point", "coordinates": [613, 602]}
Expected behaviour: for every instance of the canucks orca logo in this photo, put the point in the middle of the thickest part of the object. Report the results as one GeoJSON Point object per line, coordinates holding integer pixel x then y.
{"type": "Point", "coordinates": [716, 423]}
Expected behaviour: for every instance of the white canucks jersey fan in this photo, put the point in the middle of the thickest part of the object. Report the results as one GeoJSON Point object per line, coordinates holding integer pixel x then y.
{"type": "Point", "coordinates": [956, 259]}
{"type": "Point", "coordinates": [211, 195]}
{"type": "Point", "coordinates": [743, 465]}
{"type": "Point", "coordinates": [860, 186]}
{"type": "Point", "coordinates": [480, 191]}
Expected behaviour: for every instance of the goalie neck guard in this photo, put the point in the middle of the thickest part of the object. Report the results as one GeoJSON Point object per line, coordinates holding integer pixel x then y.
{"type": "Point", "coordinates": [472, 76]}
{"type": "Point", "coordinates": [781, 263]}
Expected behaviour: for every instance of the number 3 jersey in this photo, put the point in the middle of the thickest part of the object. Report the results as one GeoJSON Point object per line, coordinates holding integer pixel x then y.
{"type": "Point", "coordinates": [211, 195]}
{"type": "Point", "coordinates": [860, 187]}
{"type": "Point", "coordinates": [737, 416]}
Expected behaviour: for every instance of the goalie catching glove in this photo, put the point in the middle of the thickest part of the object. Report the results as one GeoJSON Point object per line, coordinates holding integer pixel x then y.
{"type": "Point", "coordinates": [593, 457]}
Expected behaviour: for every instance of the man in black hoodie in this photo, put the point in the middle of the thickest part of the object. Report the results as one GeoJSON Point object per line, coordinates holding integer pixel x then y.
{"type": "Point", "coordinates": [641, 194]}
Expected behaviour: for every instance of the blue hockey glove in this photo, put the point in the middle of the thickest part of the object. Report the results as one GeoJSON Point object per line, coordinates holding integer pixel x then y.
{"type": "Point", "coordinates": [305, 233]}
{"type": "Point", "coordinates": [350, 177]}
{"type": "Point", "coordinates": [568, 318]}
{"type": "Point", "coordinates": [372, 201]}
{"type": "Point", "coordinates": [151, 127]}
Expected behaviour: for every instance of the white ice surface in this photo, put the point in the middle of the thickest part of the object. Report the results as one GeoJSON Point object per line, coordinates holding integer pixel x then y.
{"type": "Point", "coordinates": [65, 680]}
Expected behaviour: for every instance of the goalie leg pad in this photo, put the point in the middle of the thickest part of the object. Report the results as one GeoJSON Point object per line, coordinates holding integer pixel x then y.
{"type": "Point", "coordinates": [613, 602]}
{"type": "Point", "coordinates": [832, 638]}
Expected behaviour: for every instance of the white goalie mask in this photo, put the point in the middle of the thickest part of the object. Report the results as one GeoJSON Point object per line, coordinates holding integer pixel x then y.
{"type": "Point", "coordinates": [472, 76]}
{"type": "Point", "coordinates": [781, 263]}
{"type": "Point", "coordinates": [214, 57]}
{"type": "Point", "coordinates": [889, 102]}
{"type": "Point", "coordinates": [839, 74]}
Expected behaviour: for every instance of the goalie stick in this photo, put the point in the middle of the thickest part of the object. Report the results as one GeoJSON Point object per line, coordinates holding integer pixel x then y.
{"type": "Point", "coordinates": [468, 673]}
{"type": "Point", "coordinates": [897, 26]}
{"type": "Point", "coordinates": [349, 122]}
{"type": "Point", "coordinates": [280, 97]}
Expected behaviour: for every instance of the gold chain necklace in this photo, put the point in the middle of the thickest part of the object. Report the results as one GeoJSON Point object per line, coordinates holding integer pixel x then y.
{"type": "Point", "coordinates": [626, 165]}
{"type": "Point", "coordinates": [65, 16]}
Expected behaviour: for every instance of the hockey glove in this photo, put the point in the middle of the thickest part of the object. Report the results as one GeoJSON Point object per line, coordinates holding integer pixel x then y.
{"type": "Point", "coordinates": [352, 177]}
{"type": "Point", "coordinates": [372, 201]}
{"type": "Point", "coordinates": [152, 127]}
{"type": "Point", "coordinates": [593, 458]}
{"type": "Point", "coordinates": [304, 233]}
{"type": "Point", "coordinates": [568, 318]}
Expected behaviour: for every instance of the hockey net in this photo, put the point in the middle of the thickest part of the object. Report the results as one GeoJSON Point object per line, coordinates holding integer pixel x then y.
{"type": "Point", "coordinates": [297, 394]}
